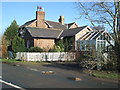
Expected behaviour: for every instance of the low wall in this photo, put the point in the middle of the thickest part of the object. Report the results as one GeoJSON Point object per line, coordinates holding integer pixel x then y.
{"type": "Point", "coordinates": [50, 56]}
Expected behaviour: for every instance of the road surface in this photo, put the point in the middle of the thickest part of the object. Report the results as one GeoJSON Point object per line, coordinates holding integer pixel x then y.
{"type": "Point", "coordinates": [30, 76]}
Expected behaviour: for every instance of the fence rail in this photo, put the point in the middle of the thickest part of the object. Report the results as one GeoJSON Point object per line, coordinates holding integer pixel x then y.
{"type": "Point", "coordinates": [46, 56]}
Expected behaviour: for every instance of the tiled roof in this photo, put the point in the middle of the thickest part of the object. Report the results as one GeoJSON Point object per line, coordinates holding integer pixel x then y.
{"type": "Point", "coordinates": [56, 25]}
{"type": "Point", "coordinates": [43, 33]}
{"type": "Point", "coordinates": [71, 32]}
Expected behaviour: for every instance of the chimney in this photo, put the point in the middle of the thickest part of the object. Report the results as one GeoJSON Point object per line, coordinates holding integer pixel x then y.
{"type": "Point", "coordinates": [40, 16]}
{"type": "Point", "coordinates": [61, 20]}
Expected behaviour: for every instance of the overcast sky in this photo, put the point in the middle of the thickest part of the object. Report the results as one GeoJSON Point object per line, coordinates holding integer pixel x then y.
{"type": "Point", "coordinates": [25, 11]}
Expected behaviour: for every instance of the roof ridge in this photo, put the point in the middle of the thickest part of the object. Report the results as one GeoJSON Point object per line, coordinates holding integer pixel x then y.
{"type": "Point", "coordinates": [71, 23]}
{"type": "Point", "coordinates": [51, 21]}
{"type": "Point", "coordinates": [45, 28]}
{"type": "Point", "coordinates": [55, 22]}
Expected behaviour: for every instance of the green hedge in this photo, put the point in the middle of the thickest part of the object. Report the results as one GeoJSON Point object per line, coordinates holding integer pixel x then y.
{"type": "Point", "coordinates": [35, 49]}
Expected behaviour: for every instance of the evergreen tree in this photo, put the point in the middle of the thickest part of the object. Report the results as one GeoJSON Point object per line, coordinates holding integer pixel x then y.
{"type": "Point", "coordinates": [11, 31]}
{"type": "Point", "coordinates": [18, 44]}
{"type": "Point", "coordinates": [14, 42]}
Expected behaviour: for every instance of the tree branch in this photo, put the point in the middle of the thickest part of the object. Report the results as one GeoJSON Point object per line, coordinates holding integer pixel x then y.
{"type": "Point", "coordinates": [108, 22]}
{"type": "Point", "coordinates": [86, 13]}
{"type": "Point", "coordinates": [107, 10]}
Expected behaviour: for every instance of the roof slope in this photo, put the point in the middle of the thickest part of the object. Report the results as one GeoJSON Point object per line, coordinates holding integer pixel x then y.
{"type": "Point", "coordinates": [56, 25]}
{"type": "Point", "coordinates": [97, 35]}
{"type": "Point", "coordinates": [43, 33]}
{"type": "Point", "coordinates": [91, 35]}
{"type": "Point", "coordinates": [72, 32]}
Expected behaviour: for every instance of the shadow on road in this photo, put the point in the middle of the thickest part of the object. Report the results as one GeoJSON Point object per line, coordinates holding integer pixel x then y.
{"type": "Point", "coordinates": [66, 66]}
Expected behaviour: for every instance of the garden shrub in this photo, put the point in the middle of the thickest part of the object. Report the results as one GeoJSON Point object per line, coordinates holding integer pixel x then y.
{"type": "Point", "coordinates": [55, 49]}
{"type": "Point", "coordinates": [35, 49]}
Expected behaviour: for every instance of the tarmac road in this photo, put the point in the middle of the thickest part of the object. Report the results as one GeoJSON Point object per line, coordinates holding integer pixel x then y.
{"type": "Point", "coordinates": [30, 76]}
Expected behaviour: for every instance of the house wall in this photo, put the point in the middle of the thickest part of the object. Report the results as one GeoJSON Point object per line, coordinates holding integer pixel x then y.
{"type": "Point", "coordinates": [28, 38]}
{"type": "Point", "coordinates": [46, 26]}
{"type": "Point", "coordinates": [45, 44]}
{"type": "Point", "coordinates": [29, 42]}
{"type": "Point", "coordinates": [34, 24]}
{"type": "Point", "coordinates": [73, 26]}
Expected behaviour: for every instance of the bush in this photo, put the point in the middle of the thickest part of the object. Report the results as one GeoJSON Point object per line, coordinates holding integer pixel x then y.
{"type": "Point", "coordinates": [51, 50]}
{"type": "Point", "coordinates": [60, 44]}
{"type": "Point", "coordinates": [56, 49]}
{"type": "Point", "coordinates": [111, 62]}
{"type": "Point", "coordinates": [35, 49]}
{"type": "Point", "coordinates": [59, 47]}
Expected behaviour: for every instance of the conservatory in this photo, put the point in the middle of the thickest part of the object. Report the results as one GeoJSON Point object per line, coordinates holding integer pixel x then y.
{"type": "Point", "coordinates": [95, 40]}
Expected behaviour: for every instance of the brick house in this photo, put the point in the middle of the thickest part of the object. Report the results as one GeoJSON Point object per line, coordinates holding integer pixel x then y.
{"type": "Point", "coordinates": [44, 34]}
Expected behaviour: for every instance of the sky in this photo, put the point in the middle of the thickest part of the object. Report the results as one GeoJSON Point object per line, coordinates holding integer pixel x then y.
{"type": "Point", "coordinates": [25, 11]}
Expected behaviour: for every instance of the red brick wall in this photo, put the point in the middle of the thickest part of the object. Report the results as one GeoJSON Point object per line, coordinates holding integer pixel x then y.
{"type": "Point", "coordinates": [40, 16]}
{"type": "Point", "coordinates": [45, 44]}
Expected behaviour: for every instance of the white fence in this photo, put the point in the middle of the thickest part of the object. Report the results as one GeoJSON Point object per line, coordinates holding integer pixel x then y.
{"type": "Point", "coordinates": [50, 56]}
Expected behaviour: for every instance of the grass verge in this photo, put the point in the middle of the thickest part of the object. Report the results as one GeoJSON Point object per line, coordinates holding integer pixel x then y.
{"type": "Point", "coordinates": [9, 61]}
{"type": "Point", "coordinates": [13, 61]}
{"type": "Point", "coordinates": [104, 74]}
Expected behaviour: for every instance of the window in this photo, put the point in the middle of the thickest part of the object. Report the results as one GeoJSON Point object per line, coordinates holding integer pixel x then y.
{"type": "Point", "coordinates": [101, 45]}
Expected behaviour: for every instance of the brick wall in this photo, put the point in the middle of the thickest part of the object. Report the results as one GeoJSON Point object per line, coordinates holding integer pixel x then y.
{"type": "Point", "coordinates": [34, 24]}
{"type": "Point", "coordinates": [40, 16]}
{"type": "Point", "coordinates": [45, 44]}
{"type": "Point", "coordinates": [73, 26]}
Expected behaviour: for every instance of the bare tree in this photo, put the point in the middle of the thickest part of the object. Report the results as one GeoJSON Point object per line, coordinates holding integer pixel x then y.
{"type": "Point", "coordinates": [99, 27]}
{"type": "Point", "coordinates": [104, 13]}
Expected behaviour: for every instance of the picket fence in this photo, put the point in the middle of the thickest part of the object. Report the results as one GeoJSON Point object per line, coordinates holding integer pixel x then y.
{"type": "Point", "coordinates": [46, 56]}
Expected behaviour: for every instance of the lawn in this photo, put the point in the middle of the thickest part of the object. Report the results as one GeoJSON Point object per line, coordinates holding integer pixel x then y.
{"type": "Point", "coordinates": [104, 74]}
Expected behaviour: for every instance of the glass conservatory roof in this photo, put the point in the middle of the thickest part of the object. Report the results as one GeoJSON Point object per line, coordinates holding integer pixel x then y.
{"type": "Point", "coordinates": [91, 35]}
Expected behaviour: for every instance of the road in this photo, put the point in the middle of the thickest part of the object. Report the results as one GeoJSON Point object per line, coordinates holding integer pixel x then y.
{"type": "Point", "coordinates": [30, 76]}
